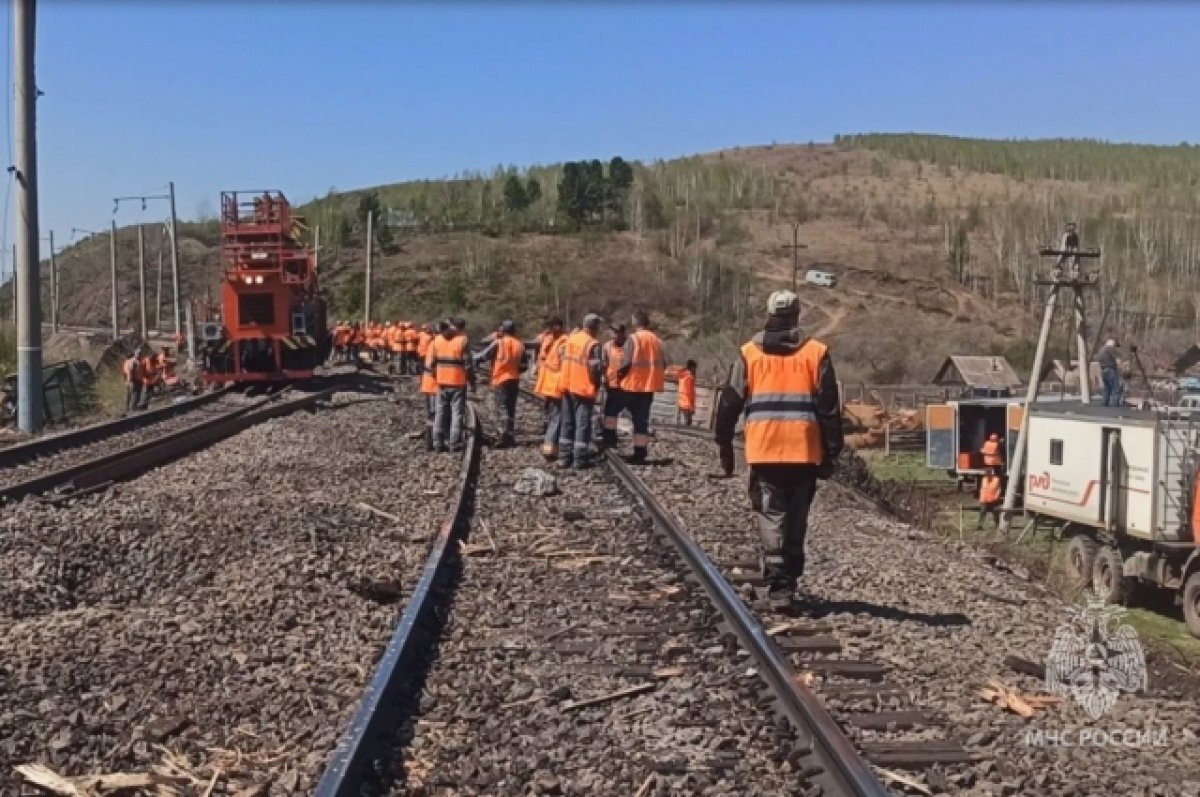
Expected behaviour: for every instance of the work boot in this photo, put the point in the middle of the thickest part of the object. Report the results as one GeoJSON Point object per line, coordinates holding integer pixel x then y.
{"type": "Point", "coordinates": [608, 439]}
{"type": "Point", "coordinates": [781, 593]}
{"type": "Point", "coordinates": [507, 441]}
{"type": "Point", "coordinates": [639, 457]}
{"type": "Point", "coordinates": [565, 464]}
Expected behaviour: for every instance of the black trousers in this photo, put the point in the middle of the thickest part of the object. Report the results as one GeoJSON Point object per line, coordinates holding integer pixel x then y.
{"type": "Point", "coordinates": [638, 405]}
{"type": "Point", "coordinates": [782, 495]}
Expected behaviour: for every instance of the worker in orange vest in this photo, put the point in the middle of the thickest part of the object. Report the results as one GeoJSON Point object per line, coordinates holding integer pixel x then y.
{"type": "Point", "coordinates": [992, 456]}
{"type": "Point", "coordinates": [506, 353]}
{"type": "Point", "coordinates": [642, 374]}
{"type": "Point", "coordinates": [429, 388]}
{"type": "Point", "coordinates": [611, 354]}
{"type": "Point", "coordinates": [785, 384]}
{"type": "Point", "coordinates": [991, 494]}
{"type": "Point", "coordinates": [341, 339]}
{"type": "Point", "coordinates": [131, 370]}
{"type": "Point", "coordinates": [450, 357]}
{"type": "Point", "coordinates": [151, 376]}
{"type": "Point", "coordinates": [411, 342]}
{"type": "Point", "coordinates": [358, 339]}
{"type": "Point", "coordinates": [549, 363]}
{"type": "Point", "coordinates": [580, 384]}
{"type": "Point", "coordinates": [685, 394]}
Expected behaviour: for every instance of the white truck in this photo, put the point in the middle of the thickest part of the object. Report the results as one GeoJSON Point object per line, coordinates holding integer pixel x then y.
{"type": "Point", "coordinates": [1123, 483]}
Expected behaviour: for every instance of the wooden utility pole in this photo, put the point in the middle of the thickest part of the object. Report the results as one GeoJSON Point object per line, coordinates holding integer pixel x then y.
{"type": "Point", "coordinates": [112, 259]}
{"type": "Point", "coordinates": [142, 281]}
{"type": "Point", "coordinates": [174, 260]}
{"type": "Point", "coordinates": [370, 246]}
{"type": "Point", "coordinates": [1069, 255]}
{"type": "Point", "coordinates": [27, 280]}
{"type": "Point", "coordinates": [795, 246]}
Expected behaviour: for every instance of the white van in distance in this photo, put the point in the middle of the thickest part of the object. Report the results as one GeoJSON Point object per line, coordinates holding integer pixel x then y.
{"type": "Point", "coordinates": [825, 279]}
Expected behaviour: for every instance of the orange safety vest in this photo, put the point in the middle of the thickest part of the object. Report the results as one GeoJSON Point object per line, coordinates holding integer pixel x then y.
{"type": "Point", "coordinates": [448, 357]}
{"type": "Point", "coordinates": [989, 490]}
{"type": "Point", "coordinates": [423, 341]}
{"type": "Point", "coordinates": [686, 396]}
{"type": "Point", "coordinates": [357, 337]}
{"type": "Point", "coordinates": [410, 340]}
{"type": "Point", "coordinates": [647, 370]}
{"type": "Point", "coordinates": [613, 352]}
{"type": "Point", "coordinates": [507, 365]}
{"type": "Point", "coordinates": [991, 454]}
{"type": "Point", "coordinates": [550, 362]}
{"type": "Point", "coordinates": [149, 371]}
{"type": "Point", "coordinates": [429, 385]}
{"type": "Point", "coordinates": [781, 419]}
{"type": "Point", "coordinates": [576, 379]}
{"type": "Point", "coordinates": [341, 335]}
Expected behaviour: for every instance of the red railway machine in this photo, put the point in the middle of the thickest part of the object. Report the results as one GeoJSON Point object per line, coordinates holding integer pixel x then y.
{"type": "Point", "coordinates": [270, 325]}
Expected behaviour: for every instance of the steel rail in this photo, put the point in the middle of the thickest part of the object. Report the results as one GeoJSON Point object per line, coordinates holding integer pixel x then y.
{"type": "Point", "coordinates": [152, 453]}
{"type": "Point", "coordinates": [353, 759]}
{"type": "Point", "coordinates": [52, 444]}
{"type": "Point", "coordinates": [845, 771]}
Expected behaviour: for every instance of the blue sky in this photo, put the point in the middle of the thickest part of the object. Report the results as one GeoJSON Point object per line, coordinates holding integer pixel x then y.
{"type": "Point", "coordinates": [307, 95]}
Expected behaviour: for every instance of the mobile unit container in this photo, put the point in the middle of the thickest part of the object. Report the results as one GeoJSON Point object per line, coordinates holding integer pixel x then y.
{"type": "Point", "coordinates": [1123, 483]}
{"type": "Point", "coordinates": [956, 431]}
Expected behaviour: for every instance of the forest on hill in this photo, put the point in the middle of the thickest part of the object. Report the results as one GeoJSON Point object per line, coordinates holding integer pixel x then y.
{"type": "Point", "coordinates": [937, 231]}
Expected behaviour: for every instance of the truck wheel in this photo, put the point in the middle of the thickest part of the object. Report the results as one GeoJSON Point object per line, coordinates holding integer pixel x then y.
{"type": "Point", "coordinates": [1191, 603]}
{"type": "Point", "coordinates": [1081, 560]}
{"type": "Point", "coordinates": [1108, 578]}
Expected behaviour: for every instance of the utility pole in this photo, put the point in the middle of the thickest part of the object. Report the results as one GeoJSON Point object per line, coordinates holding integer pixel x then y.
{"type": "Point", "coordinates": [142, 280]}
{"type": "Point", "coordinates": [370, 246]}
{"type": "Point", "coordinates": [1069, 255]}
{"type": "Point", "coordinates": [172, 228]}
{"type": "Point", "coordinates": [13, 287]}
{"type": "Point", "coordinates": [158, 293]}
{"type": "Point", "coordinates": [112, 259]}
{"type": "Point", "coordinates": [53, 286]}
{"type": "Point", "coordinates": [174, 260]}
{"type": "Point", "coordinates": [795, 246]}
{"type": "Point", "coordinates": [29, 312]}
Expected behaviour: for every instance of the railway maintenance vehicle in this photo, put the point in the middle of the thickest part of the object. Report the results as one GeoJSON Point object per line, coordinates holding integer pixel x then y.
{"type": "Point", "coordinates": [270, 324]}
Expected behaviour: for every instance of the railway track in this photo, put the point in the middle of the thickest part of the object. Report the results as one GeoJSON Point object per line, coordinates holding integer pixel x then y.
{"type": "Point", "coordinates": [899, 631]}
{"type": "Point", "coordinates": [549, 628]}
{"type": "Point", "coordinates": [212, 622]}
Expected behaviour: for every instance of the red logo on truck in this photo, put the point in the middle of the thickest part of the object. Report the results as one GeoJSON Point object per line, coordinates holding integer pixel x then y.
{"type": "Point", "coordinates": [1039, 482]}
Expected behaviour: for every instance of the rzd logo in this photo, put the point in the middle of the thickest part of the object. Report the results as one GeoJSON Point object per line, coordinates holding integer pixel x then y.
{"type": "Point", "coordinates": [1039, 482]}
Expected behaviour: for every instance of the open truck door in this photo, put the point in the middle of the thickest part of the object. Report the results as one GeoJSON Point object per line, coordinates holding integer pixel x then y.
{"type": "Point", "coordinates": [941, 437]}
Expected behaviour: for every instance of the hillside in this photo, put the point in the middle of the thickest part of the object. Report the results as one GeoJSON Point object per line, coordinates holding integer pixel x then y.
{"type": "Point", "coordinates": [934, 241]}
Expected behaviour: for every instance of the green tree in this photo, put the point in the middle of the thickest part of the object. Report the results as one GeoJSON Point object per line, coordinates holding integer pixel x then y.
{"type": "Point", "coordinates": [516, 198]}
{"type": "Point", "coordinates": [572, 190]}
{"type": "Point", "coordinates": [368, 203]}
{"type": "Point", "coordinates": [533, 190]}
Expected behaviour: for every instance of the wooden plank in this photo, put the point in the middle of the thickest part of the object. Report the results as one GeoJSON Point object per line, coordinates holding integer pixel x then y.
{"type": "Point", "coordinates": [630, 691]}
{"type": "Point", "coordinates": [809, 644]}
{"type": "Point", "coordinates": [881, 720]}
{"type": "Point", "coordinates": [862, 670]}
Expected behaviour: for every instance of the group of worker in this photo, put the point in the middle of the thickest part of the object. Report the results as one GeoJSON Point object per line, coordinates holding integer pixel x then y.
{"type": "Point", "coordinates": [146, 374]}
{"type": "Point", "coordinates": [396, 343]}
{"type": "Point", "coordinates": [783, 387]}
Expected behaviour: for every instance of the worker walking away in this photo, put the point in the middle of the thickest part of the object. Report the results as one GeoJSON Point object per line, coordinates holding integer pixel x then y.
{"type": "Point", "coordinates": [611, 355]}
{"type": "Point", "coordinates": [785, 384]}
{"type": "Point", "coordinates": [452, 369]}
{"type": "Point", "coordinates": [685, 395]}
{"type": "Point", "coordinates": [642, 374]}
{"type": "Point", "coordinates": [991, 495]}
{"type": "Point", "coordinates": [429, 386]}
{"type": "Point", "coordinates": [580, 386]}
{"type": "Point", "coordinates": [131, 370]}
{"type": "Point", "coordinates": [1110, 372]}
{"type": "Point", "coordinates": [993, 456]}
{"type": "Point", "coordinates": [506, 353]}
{"type": "Point", "coordinates": [547, 386]}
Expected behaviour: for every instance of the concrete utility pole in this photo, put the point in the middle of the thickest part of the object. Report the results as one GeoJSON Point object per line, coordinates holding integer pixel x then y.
{"type": "Point", "coordinates": [1069, 255]}
{"type": "Point", "coordinates": [174, 259]}
{"type": "Point", "coordinates": [29, 312]}
{"type": "Point", "coordinates": [795, 246]}
{"type": "Point", "coordinates": [112, 260]}
{"type": "Point", "coordinates": [142, 280]}
{"type": "Point", "coordinates": [370, 246]}
{"type": "Point", "coordinates": [53, 286]}
{"type": "Point", "coordinates": [13, 287]}
{"type": "Point", "coordinates": [158, 293]}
